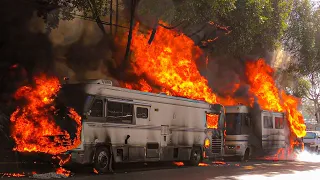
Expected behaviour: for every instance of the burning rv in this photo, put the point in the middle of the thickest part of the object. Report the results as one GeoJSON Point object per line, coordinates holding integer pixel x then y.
{"type": "Point", "coordinates": [253, 132]}
{"type": "Point", "coordinates": [123, 125]}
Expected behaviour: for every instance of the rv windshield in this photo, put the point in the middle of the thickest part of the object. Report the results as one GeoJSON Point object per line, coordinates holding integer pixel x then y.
{"type": "Point", "coordinates": [212, 121]}
{"type": "Point", "coordinates": [310, 135]}
{"type": "Point", "coordinates": [73, 95]}
{"type": "Point", "coordinates": [233, 121]}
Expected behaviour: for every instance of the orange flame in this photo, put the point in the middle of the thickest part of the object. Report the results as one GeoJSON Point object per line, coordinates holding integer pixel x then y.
{"type": "Point", "coordinates": [262, 84]}
{"type": "Point", "coordinates": [62, 161]}
{"type": "Point", "coordinates": [168, 66]}
{"type": "Point", "coordinates": [33, 123]}
{"type": "Point", "coordinates": [212, 121]}
{"type": "Point", "coordinates": [63, 171]}
{"type": "Point", "coordinates": [170, 62]}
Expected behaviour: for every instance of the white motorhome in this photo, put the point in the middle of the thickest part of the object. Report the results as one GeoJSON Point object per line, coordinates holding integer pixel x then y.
{"type": "Point", "coordinates": [312, 141]}
{"type": "Point", "coordinates": [253, 132]}
{"type": "Point", "coordinates": [123, 125]}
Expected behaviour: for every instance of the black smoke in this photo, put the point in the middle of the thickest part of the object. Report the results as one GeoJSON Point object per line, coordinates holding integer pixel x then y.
{"type": "Point", "coordinates": [23, 53]}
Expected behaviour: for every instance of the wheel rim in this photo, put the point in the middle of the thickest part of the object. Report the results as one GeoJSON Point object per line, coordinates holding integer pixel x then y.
{"type": "Point", "coordinates": [196, 156]}
{"type": "Point", "coordinates": [246, 156]}
{"type": "Point", "coordinates": [103, 159]}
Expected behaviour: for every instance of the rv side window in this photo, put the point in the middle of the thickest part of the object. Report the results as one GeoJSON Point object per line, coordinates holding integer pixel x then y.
{"type": "Point", "coordinates": [119, 112]}
{"type": "Point", "coordinates": [279, 123]}
{"type": "Point", "coordinates": [142, 113]}
{"type": "Point", "coordinates": [97, 108]}
{"type": "Point", "coordinates": [267, 122]}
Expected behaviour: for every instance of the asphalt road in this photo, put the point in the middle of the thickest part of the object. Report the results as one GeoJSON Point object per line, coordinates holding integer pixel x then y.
{"type": "Point", "coordinates": [229, 171]}
{"type": "Point", "coordinates": [252, 170]}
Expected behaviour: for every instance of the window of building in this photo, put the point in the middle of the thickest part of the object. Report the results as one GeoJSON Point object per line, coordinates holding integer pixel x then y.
{"type": "Point", "coordinates": [267, 122]}
{"type": "Point", "coordinates": [279, 123]}
{"type": "Point", "coordinates": [97, 108]}
{"type": "Point", "coordinates": [119, 112]}
{"type": "Point", "coordinates": [142, 113]}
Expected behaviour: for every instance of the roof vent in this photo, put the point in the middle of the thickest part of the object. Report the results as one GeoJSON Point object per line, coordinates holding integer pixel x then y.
{"type": "Point", "coordinates": [163, 93]}
{"type": "Point", "coordinates": [101, 81]}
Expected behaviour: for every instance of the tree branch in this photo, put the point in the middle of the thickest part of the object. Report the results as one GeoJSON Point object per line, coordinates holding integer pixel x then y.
{"type": "Point", "coordinates": [126, 57]}
{"type": "Point", "coordinates": [94, 10]}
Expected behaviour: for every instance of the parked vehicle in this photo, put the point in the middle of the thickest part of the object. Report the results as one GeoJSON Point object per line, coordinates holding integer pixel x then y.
{"type": "Point", "coordinates": [312, 141]}
{"type": "Point", "coordinates": [123, 125]}
{"type": "Point", "coordinates": [253, 132]}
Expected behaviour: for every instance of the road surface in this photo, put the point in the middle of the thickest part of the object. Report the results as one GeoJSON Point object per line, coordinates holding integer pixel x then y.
{"type": "Point", "coordinates": [214, 171]}
{"type": "Point", "coordinates": [231, 170]}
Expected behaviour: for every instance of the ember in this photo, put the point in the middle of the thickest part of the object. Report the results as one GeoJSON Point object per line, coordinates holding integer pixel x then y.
{"type": "Point", "coordinates": [203, 164]}
{"type": "Point", "coordinates": [178, 163]}
{"type": "Point", "coordinates": [33, 123]}
{"type": "Point", "coordinates": [219, 162]}
{"type": "Point", "coordinates": [13, 174]}
{"type": "Point", "coordinates": [95, 171]}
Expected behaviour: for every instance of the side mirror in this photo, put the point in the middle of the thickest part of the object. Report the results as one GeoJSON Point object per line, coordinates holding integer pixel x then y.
{"type": "Point", "coordinates": [248, 121]}
{"type": "Point", "coordinates": [87, 114]}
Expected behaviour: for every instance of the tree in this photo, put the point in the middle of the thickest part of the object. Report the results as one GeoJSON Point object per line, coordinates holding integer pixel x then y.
{"type": "Point", "coordinates": [252, 26]}
{"type": "Point", "coordinates": [257, 26]}
{"type": "Point", "coordinates": [302, 40]}
{"type": "Point", "coordinates": [54, 10]}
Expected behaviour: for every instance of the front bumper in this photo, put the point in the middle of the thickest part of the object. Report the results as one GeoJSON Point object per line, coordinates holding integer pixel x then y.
{"type": "Point", "coordinates": [233, 150]}
{"type": "Point", "coordinates": [308, 146]}
{"type": "Point", "coordinates": [81, 157]}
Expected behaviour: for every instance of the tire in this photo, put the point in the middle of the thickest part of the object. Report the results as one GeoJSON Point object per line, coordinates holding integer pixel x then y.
{"type": "Point", "coordinates": [195, 157]}
{"type": "Point", "coordinates": [102, 160]}
{"type": "Point", "coordinates": [245, 157]}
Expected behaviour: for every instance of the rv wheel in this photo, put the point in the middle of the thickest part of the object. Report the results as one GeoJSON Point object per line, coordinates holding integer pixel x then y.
{"type": "Point", "coordinates": [245, 157]}
{"type": "Point", "coordinates": [195, 157]}
{"type": "Point", "coordinates": [102, 160]}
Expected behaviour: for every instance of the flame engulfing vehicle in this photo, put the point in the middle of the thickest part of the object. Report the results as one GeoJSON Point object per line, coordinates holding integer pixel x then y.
{"type": "Point", "coordinates": [123, 125]}
{"type": "Point", "coordinates": [254, 132]}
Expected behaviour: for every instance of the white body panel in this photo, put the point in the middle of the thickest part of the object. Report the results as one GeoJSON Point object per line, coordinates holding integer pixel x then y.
{"type": "Point", "coordinates": [172, 122]}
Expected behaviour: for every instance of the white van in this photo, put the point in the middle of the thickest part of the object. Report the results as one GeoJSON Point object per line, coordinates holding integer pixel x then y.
{"type": "Point", "coordinates": [312, 141]}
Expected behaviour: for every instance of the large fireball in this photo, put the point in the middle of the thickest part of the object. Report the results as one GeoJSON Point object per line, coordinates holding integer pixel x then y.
{"type": "Point", "coordinates": [169, 62]}
{"type": "Point", "coordinates": [34, 128]}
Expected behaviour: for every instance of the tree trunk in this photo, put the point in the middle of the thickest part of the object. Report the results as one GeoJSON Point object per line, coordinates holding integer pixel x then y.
{"type": "Point", "coordinates": [117, 16]}
{"type": "Point", "coordinates": [111, 17]}
{"type": "Point", "coordinates": [94, 10]}
{"type": "Point", "coordinates": [126, 57]}
{"type": "Point", "coordinates": [316, 110]}
{"type": "Point", "coordinates": [154, 30]}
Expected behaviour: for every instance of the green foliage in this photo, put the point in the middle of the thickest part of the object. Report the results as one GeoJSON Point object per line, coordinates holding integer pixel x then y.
{"type": "Point", "coordinates": [85, 6]}
{"type": "Point", "coordinates": [55, 10]}
{"type": "Point", "coordinates": [254, 24]}
{"type": "Point", "coordinates": [202, 11]}
{"type": "Point", "coordinates": [303, 37]}
{"type": "Point", "coordinates": [301, 88]}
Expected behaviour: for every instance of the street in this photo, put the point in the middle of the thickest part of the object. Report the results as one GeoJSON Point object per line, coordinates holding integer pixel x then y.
{"type": "Point", "coordinates": [230, 170]}
{"type": "Point", "coordinates": [215, 170]}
